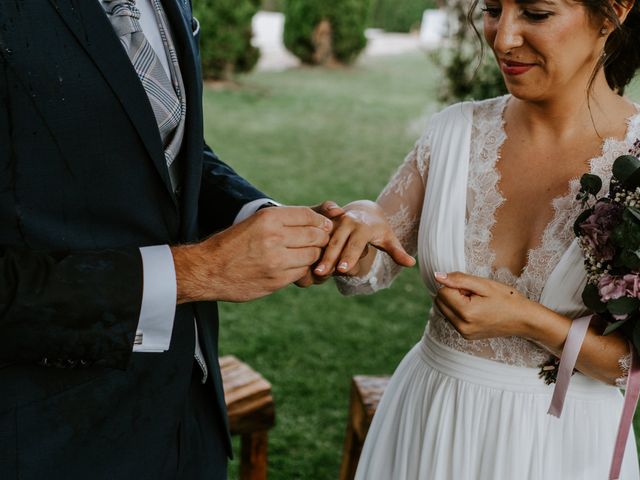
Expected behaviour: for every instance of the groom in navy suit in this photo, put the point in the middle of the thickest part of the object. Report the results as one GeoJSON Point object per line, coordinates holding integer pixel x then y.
{"type": "Point", "coordinates": [119, 229]}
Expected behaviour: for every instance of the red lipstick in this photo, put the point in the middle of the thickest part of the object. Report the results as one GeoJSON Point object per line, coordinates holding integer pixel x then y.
{"type": "Point", "coordinates": [510, 67]}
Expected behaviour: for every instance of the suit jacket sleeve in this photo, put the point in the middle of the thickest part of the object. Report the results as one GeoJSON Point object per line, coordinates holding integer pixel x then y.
{"type": "Point", "coordinates": [223, 193]}
{"type": "Point", "coordinates": [68, 308]}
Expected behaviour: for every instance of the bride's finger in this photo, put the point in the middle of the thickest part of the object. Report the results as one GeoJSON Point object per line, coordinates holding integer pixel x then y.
{"type": "Point", "coordinates": [448, 312]}
{"type": "Point", "coordinates": [353, 251]}
{"type": "Point", "coordinates": [326, 265]}
{"type": "Point", "coordinates": [394, 249]}
{"type": "Point", "coordinates": [464, 282]}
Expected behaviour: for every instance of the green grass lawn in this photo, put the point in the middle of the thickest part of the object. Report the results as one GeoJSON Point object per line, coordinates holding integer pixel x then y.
{"type": "Point", "coordinates": [304, 136]}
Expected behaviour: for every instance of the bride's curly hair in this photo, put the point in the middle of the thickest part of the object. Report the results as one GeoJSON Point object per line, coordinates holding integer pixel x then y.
{"type": "Point", "coordinates": [622, 50]}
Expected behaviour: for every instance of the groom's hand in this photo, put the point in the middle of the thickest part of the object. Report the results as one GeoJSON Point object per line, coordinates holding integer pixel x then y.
{"type": "Point", "coordinates": [330, 210]}
{"type": "Point", "coordinates": [271, 249]}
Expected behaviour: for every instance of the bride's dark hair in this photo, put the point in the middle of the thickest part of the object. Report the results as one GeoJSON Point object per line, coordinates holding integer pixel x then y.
{"type": "Point", "coordinates": [622, 50]}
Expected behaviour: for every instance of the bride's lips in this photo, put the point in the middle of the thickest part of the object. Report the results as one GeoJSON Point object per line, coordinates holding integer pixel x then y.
{"type": "Point", "coordinates": [510, 67]}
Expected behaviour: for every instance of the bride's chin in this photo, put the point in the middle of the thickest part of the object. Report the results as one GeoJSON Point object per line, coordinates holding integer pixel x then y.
{"type": "Point", "coordinates": [523, 93]}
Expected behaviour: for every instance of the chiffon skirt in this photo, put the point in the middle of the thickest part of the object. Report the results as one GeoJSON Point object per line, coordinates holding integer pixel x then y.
{"type": "Point", "coordinates": [447, 415]}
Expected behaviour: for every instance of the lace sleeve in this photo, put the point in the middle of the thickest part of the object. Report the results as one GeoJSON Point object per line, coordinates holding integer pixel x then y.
{"type": "Point", "coordinates": [401, 201]}
{"type": "Point", "coordinates": [625, 366]}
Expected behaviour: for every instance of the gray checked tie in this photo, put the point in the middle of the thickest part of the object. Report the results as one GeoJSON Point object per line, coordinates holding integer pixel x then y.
{"type": "Point", "coordinates": [164, 101]}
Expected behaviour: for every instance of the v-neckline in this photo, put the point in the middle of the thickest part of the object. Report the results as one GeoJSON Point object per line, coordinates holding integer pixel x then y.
{"type": "Point", "coordinates": [502, 272]}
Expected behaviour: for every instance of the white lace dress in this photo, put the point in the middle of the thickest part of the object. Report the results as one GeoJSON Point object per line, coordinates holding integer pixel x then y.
{"type": "Point", "coordinates": [475, 410]}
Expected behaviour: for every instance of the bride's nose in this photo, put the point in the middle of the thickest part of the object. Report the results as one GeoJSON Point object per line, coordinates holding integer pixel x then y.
{"type": "Point", "coordinates": [508, 34]}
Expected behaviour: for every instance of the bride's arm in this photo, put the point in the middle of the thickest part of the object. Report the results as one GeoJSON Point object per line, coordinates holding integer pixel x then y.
{"type": "Point", "coordinates": [390, 224]}
{"type": "Point", "coordinates": [481, 308]}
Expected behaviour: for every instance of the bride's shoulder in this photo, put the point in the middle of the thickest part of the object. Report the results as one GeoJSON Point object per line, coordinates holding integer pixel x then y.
{"type": "Point", "coordinates": [471, 110]}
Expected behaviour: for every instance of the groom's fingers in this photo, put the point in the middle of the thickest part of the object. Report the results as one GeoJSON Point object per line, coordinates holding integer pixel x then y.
{"type": "Point", "coordinates": [300, 237]}
{"type": "Point", "coordinates": [329, 209]}
{"type": "Point", "coordinates": [297, 217]}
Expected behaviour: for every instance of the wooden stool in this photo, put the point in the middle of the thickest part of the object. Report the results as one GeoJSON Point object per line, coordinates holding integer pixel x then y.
{"type": "Point", "coordinates": [251, 414]}
{"type": "Point", "coordinates": [365, 395]}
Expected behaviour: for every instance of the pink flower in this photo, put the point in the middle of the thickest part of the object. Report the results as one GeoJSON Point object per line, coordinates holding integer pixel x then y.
{"type": "Point", "coordinates": [597, 229]}
{"type": "Point", "coordinates": [633, 284]}
{"type": "Point", "coordinates": [611, 288]}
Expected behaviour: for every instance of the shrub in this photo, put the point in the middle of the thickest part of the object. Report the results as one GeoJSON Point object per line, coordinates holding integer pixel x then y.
{"type": "Point", "coordinates": [327, 31]}
{"type": "Point", "coordinates": [467, 75]}
{"type": "Point", "coordinates": [225, 36]}
{"type": "Point", "coordinates": [399, 15]}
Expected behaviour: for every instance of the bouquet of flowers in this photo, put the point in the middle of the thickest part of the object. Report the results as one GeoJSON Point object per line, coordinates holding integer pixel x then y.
{"type": "Point", "coordinates": [608, 231]}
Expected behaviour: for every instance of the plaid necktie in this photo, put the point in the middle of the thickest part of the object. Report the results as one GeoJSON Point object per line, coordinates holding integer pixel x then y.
{"type": "Point", "coordinates": [164, 101]}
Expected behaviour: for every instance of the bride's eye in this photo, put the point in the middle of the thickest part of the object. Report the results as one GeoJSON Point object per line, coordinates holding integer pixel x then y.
{"type": "Point", "coordinates": [536, 16]}
{"type": "Point", "coordinates": [491, 11]}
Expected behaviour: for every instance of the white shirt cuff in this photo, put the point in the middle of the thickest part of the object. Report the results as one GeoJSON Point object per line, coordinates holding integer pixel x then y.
{"type": "Point", "coordinates": [250, 208]}
{"type": "Point", "coordinates": [158, 300]}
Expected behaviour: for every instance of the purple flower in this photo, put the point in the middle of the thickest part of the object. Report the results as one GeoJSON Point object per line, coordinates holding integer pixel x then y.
{"type": "Point", "coordinates": [598, 227]}
{"type": "Point", "coordinates": [611, 288]}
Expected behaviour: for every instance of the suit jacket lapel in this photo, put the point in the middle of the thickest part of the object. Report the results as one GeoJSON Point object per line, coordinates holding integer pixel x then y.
{"type": "Point", "coordinates": [180, 17]}
{"type": "Point", "coordinates": [89, 24]}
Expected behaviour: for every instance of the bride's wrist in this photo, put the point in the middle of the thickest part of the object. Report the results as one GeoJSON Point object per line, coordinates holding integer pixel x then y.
{"type": "Point", "coordinates": [545, 327]}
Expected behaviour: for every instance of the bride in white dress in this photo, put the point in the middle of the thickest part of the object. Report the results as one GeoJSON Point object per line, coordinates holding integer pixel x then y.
{"type": "Point", "coordinates": [490, 190]}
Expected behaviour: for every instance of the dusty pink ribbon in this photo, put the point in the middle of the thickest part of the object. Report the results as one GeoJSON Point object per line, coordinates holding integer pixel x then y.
{"type": "Point", "coordinates": [570, 352]}
{"type": "Point", "coordinates": [631, 395]}
{"type": "Point", "coordinates": [572, 345]}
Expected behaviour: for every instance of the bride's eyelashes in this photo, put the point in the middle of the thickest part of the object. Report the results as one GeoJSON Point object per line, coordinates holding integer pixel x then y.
{"type": "Point", "coordinates": [491, 11]}
{"type": "Point", "coordinates": [532, 15]}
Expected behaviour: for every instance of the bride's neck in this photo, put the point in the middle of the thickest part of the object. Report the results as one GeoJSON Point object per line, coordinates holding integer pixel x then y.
{"type": "Point", "coordinates": [572, 113]}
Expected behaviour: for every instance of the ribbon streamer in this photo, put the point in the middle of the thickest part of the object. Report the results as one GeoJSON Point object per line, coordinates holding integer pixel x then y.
{"type": "Point", "coordinates": [568, 359]}
{"type": "Point", "coordinates": [570, 352]}
{"type": "Point", "coordinates": [631, 395]}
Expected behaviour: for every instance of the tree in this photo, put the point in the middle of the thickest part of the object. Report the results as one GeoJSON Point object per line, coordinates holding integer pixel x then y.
{"type": "Point", "coordinates": [468, 75]}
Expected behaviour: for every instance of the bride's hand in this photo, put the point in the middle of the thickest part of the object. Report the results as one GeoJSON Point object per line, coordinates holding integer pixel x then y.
{"type": "Point", "coordinates": [362, 224]}
{"type": "Point", "coordinates": [480, 308]}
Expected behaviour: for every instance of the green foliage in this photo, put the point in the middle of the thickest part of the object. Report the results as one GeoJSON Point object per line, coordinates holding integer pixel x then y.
{"type": "Point", "coordinates": [225, 36]}
{"type": "Point", "coordinates": [347, 20]}
{"type": "Point", "coordinates": [399, 15]}
{"type": "Point", "coordinates": [467, 73]}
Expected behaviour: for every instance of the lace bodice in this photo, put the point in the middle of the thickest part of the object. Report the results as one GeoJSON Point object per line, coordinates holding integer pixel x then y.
{"type": "Point", "coordinates": [402, 200]}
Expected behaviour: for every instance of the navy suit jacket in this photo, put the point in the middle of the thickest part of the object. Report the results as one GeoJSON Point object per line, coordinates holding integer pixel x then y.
{"type": "Point", "coordinates": [83, 184]}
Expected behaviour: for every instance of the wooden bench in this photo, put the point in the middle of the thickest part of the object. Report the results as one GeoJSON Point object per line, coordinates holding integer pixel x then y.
{"type": "Point", "coordinates": [366, 392]}
{"type": "Point", "coordinates": [251, 414]}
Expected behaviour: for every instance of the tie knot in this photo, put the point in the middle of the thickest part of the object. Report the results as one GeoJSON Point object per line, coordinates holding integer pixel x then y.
{"type": "Point", "coordinates": [123, 8]}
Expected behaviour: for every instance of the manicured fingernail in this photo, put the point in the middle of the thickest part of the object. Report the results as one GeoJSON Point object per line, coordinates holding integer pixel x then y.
{"type": "Point", "coordinates": [320, 269]}
{"type": "Point", "coordinates": [328, 225]}
{"type": "Point", "coordinates": [440, 275]}
{"type": "Point", "coordinates": [343, 266]}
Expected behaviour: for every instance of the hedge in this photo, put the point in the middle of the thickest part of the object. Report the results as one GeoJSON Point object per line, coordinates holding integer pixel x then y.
{"type": "Point", "coordinates": [325, 31]}
{"type": "Point", "coordinates": [399, 15]}
{"type": "Point", "coordinates": [225, 36]}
